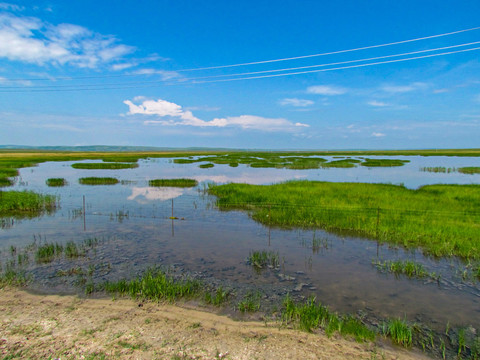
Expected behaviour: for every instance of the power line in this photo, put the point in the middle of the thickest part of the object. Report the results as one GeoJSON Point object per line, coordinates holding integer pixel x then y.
{"type": "Point", "coordinates": [333, 52]}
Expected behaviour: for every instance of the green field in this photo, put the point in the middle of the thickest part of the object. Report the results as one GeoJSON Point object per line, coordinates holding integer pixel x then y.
{"type": "Point", "coordinates": [443, 220]}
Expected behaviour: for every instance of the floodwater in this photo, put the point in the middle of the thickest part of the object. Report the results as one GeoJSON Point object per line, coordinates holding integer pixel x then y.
{"type": "Point", "coordinates": [132, 220]}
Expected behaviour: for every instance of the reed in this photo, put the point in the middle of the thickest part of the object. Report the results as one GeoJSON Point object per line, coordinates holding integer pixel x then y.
{"type": "Point", "coordinates": [98, 181]}
{"type": "Point", "coordinates": [400, 332]}
{"type": "Point", "coordinates": [26, 203]}
{"type": "Point", "coordinates": [440, 219]}
{"type": "Point", "coordinates": [438, 169]}
{"type": "Point", "coordinates": [45, 253]}
{"type": "Point", "coordinates": [173, 182]}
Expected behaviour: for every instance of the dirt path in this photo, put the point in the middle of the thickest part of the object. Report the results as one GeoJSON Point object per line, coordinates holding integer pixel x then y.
{"type": "Point", "coordinates": [66, 327]}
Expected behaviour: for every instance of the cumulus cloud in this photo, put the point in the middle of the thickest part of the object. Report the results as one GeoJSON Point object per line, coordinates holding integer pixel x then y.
{"type": "Point", "coordinates": [296, 102]}
{"type": "Point", "coordinates": [29, 39]}
{"type": "Point", "coordinates": [168, 113]}
{"type": "Point", "coordinates": [326, 90]}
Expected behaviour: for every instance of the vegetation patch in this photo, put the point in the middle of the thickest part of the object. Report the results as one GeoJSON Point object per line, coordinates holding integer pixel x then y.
{"type": "Point", "coordinates": [56, 182]}
{"type": "Point", "coordinates": [469, 170]}
{"type": "Point", "coordinates": [155, 285]}
{"type": "Point", "coordinates": [107, 166]}
{"type": "Point", "coordinates": [345, 163]}
{"type": "Point", "coordinates": [250, 303]}
{"type": "Point", "coordinates": [206, 166]}
{"type": "Point", "coordinates": [311, 316]}
{"type": "Point", "coordinates": [98, 181]}
{"type": "Point", "coordinates": [26, 203]}
{"type": "Point", "coordinates": [383, 162]}
{"type": "Point", "coordinates": [441, 219]}
{"type": "Point", "coordinates": [218, 298]}
{"type": "Point", "coordinates": [173, 182]}
{"type": "Point", "coordinates": [263, 259]}
{"type": "Point", "coordinates": [399, 331]}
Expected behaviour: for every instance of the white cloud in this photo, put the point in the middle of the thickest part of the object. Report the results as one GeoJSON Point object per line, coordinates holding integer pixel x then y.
{"type": "Point", "coordinates": [166, 75]}
{"type": "Point", "coordinates": [326, 90]}
{"type": "Point", "coordinates": [377, 134]}
{"type": "Point", "coordinates": [29, 39]}
{"type": "Point", "coordinates": [173, 114]}
{"type": "Point", "coordinates": [377, 103]}
{"type": "Point", "coordinates": [296, 102]}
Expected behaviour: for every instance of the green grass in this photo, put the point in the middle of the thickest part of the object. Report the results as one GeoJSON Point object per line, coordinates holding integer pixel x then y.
{"type": "Point", "coordinates": [345, 163]}
{"type": "Point", "coordinates": [11, 276]}
{"type": "Point", "coordinates": [98, 181]}
{"type": "Point", "coordinates": [310, 316]}
{"type": "Point", "coordinates": [107, 166]}
{"type": "Point", "coordinates": [383, 162]}
{"type": "Point", "coordinates": [441, 219]}
{"type": "Point", "coordinates": [263, 259]}
{"type": "Point", "coordinates": [173, 182]}
{"type": "Point", "coordinates": [154, 285]}
{"type": "Point", "coordinates": [250, 303]}
{"type": "Point", "coordinates": [400, 332]}
{"type": "Point", "coordinates": [219, 297]}
{"type": "Point", "coordinates": [469, 170]}
{"type": "Point", "coordinates": [26, 203]}
{"type": "Point", "coordinates": [408, 268]}
{"type": "Point", "coordinates": [54, 182]}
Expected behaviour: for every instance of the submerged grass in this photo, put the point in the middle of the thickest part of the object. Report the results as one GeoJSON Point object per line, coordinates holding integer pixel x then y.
{"type": "Point", "coordinates": [173, 182]}
{"type": "Point", "coordinates": [26, 203]}
{"type": "Point", "coordinates": [262, 259]}
{"type": "Point", "coordinates": [106, 165]}
{"type": "Point", "coordinates": [441, 219]}
{"type": "Point", "coordinates": [438, 169]}
{"type": "Point", "coordinates": [54, 182]}
{"type": "Point", "coordinates": [98, 181]}
{"type": "Point", "coordinates": [311, 316]}
{"type": "Point", "coordinates": [155, 285]}
{"type": "Point", "coordinates": [408, 268]}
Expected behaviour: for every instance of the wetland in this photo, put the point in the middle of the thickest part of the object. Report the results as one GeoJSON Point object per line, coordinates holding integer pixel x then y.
{"type": "Point", "coordinates": [365, 242]}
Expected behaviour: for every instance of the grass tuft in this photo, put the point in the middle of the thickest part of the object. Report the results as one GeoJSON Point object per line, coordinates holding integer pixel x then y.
{"type": "Point", "coordinates": [54, 182]}
{"type": "Point", "coordinates": [98, 181]}
{"type": "Point", "coordinates": [173, 182]}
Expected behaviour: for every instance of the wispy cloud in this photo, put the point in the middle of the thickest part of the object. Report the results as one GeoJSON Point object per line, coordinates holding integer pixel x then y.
{"type": "Point", "coordinates": [378, 134]}
{"type": "Point", "coordinates": [326, 90]}
{"type": "Point", "coordinates": [11, 7]}
{"type": "Point", "coordinates": [296, 102]}
{"type": "Point", "coordinates": [166, 75]}
{"type": "Point", "coordinates": [171, 114]}
{"type": "Point", "coordinates": [376, 103]}
{"type": "Point", "coordinates": [31, 40]}
{"type": "Point", "coordinates": [395, 89]}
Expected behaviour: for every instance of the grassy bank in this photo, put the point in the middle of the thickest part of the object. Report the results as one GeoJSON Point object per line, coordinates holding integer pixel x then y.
{"type": "Point", "coordinates": [441, 219]}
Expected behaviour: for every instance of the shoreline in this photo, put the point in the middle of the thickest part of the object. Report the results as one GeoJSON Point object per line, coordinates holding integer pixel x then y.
{"type": "Point", "coordinates": [68, 327]}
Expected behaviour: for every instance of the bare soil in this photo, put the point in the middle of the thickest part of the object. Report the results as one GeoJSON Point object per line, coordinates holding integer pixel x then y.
{"type": "Point", "coordinates": [68, 327]}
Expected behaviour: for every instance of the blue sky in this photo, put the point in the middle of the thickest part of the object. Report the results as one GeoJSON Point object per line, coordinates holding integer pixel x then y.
{"type": "Point", "coordinates": [159, 73]}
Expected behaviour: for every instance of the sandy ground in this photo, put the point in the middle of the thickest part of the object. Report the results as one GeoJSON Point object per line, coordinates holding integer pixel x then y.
{"type": "Point", "coordinates": [67, 327]}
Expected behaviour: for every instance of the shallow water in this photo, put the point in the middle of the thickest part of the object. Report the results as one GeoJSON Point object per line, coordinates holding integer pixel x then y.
{"type": "Point", "coordinates": [132, 220]}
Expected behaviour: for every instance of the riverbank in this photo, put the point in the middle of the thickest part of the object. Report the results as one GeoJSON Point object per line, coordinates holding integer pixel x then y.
{"type": "Point", "coordinates": [68, 327]}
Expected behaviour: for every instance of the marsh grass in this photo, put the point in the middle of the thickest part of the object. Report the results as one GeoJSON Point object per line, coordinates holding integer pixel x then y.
{"type": "Point", "coordinates": [11, 276]}
{"type": "Point", "coordinates": [441, 219]}
{"type": "Point", "coordinates": [206, 166]}
{"type": "Point", "coordinates": [408, 268]}
{"type": "Point", "coordinates": [56, 182]}
{"type": "Point", "coordinates": [47, 252]}
{"type": "Point", "coordinates": [98, 181]}
{"type": "Point", "coordinates": [106, 166]}
{"type": "Point", "coordinates": [384, 162]}
{"type": "Point", "coordinates": [263, 259]}
{"type": "Point", "coordinates": [438, 169]}
{"type": "Point", "coordinates": [312, 315]}
{"type": "Point", "coordinates": [173, 182]}
{"type": "Point", "coordinates": [26, 203]}
{"type": "Point", "coordinates": [344, 163]}
{"type": "Point", "coordinates": [469, 170]}
{"type": "Point", "coordinates": [155, 285]}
